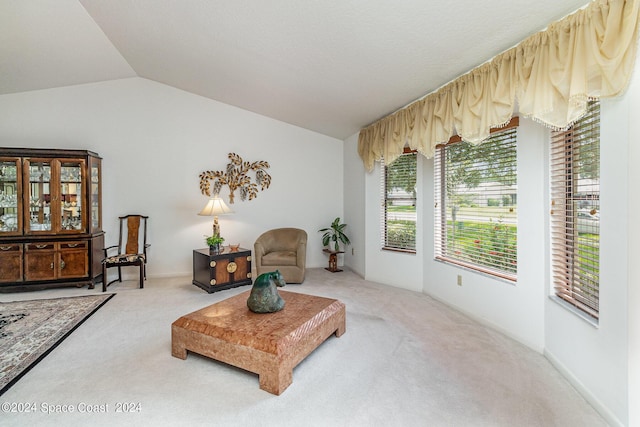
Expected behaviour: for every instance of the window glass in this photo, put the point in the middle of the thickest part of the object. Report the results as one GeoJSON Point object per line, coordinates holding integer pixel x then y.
{"type": "Point", "coordinates": [476, 204]}
{"type": "Point", "coordinates": [399, 204]}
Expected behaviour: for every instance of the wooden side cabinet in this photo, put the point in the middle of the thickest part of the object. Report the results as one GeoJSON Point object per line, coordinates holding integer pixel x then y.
{"type": "Point", "coordinates": [225, 270]}
{"type": "Point", "coordinates": [50, 218]}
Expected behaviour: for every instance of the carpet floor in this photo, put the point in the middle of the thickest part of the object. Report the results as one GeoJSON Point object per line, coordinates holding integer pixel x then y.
{"type": "Point", "coordinates": [405, 360]}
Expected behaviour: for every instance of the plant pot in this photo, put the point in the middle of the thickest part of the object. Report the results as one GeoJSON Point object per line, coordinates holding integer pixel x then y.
{"type": "Point", "coordinates": [215, 249]}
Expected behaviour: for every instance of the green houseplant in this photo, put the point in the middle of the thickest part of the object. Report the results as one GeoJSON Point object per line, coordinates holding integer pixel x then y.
{"type": "Point", "coordinates": [214, 242]}
{"type": "Point", "coordinates": [334, 235]}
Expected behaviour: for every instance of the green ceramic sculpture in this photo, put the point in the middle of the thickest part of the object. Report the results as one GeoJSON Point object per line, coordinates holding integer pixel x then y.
{"type": "Point", "coordinates": [264, 297]}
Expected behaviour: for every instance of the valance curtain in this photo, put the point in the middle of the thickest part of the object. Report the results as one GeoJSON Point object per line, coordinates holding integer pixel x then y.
{"type": "Point", "coordinates": [552, 74]}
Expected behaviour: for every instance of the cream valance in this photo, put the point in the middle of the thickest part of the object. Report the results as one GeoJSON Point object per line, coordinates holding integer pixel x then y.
{"type": "Point", "coordinates": [552, 74]}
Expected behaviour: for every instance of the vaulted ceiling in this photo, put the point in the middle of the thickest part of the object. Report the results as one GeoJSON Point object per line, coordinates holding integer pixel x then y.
{"type": "Point", "coordinates": [331, 66]}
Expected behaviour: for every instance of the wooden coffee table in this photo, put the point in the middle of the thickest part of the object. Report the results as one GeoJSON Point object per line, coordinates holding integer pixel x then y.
{"type": "Point", "coordinates": [270, 344]}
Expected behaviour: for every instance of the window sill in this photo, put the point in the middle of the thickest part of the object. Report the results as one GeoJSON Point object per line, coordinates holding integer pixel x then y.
{"type": "Point", "coordinates": [402, 251]}
{"type": "Point", "coordinates": [483, 272]}
{"type": "Point", "coordinates": [575, 311]}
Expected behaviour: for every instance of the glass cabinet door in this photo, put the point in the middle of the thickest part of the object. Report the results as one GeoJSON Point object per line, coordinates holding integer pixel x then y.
{"type": "Point", "coordinates": [95, 219]}
{"type": "Point", "coordinates": [71, 191]}
{"type": "Point", "coordinates": [39, 198]}
{"type": "Point", "coordinates": [10, 200]}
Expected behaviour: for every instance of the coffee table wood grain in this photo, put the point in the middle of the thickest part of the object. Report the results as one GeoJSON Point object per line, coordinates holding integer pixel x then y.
{"type": "Point", "coordinates": [270, 344]}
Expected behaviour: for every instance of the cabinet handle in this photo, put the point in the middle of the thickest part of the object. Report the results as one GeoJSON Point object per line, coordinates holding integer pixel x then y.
{"type": "Point", "coordinates": [5, 248]}
{"type": "Point", "coordinates": [232, 267]}
{"type": "Point", "coordinates": [51, 266]}
{"type": "Point", "coordinates": [41, 246]}
{"type": "Point", "coordinates": [72, 245]}
{"type": "Point", "coordinates": [62, 264]}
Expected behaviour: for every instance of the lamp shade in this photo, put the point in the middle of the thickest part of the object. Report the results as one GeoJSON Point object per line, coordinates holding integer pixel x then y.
{"type": "Point", "coordinates": [215, 206]}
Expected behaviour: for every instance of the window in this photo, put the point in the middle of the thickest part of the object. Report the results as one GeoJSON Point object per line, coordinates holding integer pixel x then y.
{"type": "Point", "coordinates": [399, 206]}
{"type": "Point", "coordinates": [476, 203]}
{"type": "Point", "coordinates": [575, 211]}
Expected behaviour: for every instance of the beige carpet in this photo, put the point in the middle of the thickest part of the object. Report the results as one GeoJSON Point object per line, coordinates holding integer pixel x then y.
{"type": "Point", "coordinates": [405, 360]}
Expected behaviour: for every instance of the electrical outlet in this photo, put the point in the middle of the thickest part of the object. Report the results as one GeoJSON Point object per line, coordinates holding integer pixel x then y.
{"type": "Point", "coordinates": [459, 279]}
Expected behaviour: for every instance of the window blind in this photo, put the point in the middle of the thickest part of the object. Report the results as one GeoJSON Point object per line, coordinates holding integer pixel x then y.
{"type": "Point", "coordinates": [398, 228]}
{"type": "Point", "coordinates": [476, 204]}
{"type": "Point", "coordinates": [575, 211]}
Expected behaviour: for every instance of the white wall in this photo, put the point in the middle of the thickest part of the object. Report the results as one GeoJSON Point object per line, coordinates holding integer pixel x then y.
{"type": "Point", "coordinates": [516, 309]}
{"type": "Point", "coordinates": [398, 269]}
{"type": "Point", "coordinates": [354, 206]}
{"type": "Point", "coordinates": [597, 359]}
{"type": "Point", "coordinates": [362, 207]}
{"type": "Point", "coordinates": [155, 140]}
{"type": "Point", "coordinates": [633, 254]}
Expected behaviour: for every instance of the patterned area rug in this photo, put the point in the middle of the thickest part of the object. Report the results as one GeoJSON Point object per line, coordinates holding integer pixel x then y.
{"type": "Point", "coordinates": [29, 330]}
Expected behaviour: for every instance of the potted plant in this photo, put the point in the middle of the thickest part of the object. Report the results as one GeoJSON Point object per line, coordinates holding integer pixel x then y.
{"type": "Point", "coordinates": [334, 235]}
{"type": "Point", "coordinates": [214, 243]}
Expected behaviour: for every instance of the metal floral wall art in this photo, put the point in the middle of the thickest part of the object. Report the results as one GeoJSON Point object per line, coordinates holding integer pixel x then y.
{"type": "Point", "coordinates": [235, 176]}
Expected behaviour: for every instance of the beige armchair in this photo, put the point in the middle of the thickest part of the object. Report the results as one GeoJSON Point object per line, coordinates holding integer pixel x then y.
{"type": "Point", "coordinates": [282, 249]}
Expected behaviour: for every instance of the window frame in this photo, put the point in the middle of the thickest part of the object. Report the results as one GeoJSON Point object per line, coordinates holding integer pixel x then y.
{"type": "Point", "coordinates": [384, 204]}
{"type": "Point", "coordinates": [566, 245]}
{"type": "Point", "coordinates": [440, 210]}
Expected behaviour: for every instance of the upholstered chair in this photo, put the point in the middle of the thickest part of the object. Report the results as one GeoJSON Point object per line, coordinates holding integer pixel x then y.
{"type": "Point", "coordinates": [282, 249]}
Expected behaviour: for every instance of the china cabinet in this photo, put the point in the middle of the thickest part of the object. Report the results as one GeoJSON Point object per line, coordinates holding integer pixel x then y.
{"type": "Point", "coordinates": [50, 218]}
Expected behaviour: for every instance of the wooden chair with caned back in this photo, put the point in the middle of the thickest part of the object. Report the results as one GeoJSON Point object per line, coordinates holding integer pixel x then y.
{"type": "Point", "coordinates": [133, 235]}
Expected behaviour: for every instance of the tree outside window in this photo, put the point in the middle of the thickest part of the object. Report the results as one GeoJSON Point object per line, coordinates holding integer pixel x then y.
{"type": "Point", "coordinates": [476, 204]}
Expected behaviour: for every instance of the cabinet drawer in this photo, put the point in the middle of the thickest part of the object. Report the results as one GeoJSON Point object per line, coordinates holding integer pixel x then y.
{"type": "Point", "coordinates": [44, 246]}
{"type": "Point", "coordinates": [73, 245]}
{"type": "Point", "coordinates": [6, 248]}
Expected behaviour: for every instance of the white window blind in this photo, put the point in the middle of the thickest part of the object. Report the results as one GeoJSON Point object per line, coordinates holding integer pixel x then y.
{"type": "Point", "coordinates": [575, 211]}
{"type": "Point", "coordinates": [398, 226]}
{"type": "Point", "coordinates": [476, 204]}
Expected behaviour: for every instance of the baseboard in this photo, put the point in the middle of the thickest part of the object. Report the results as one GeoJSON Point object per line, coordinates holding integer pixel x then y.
{"type": "Point", "coordinates": [608, 416]}
{"type": "Point", "coordinates": [136, 276]}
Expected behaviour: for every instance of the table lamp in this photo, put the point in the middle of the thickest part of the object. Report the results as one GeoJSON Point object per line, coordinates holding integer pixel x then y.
{"type": "Point", "coordinates": [215, 206]}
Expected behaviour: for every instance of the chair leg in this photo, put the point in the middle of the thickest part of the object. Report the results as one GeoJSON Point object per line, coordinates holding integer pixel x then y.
{"type": "Point", "coordinates": [141, 275]}
{"type": "Point", "coordinates": [104, 278]}
{"type": "Point", "coordinates": [119, 274]}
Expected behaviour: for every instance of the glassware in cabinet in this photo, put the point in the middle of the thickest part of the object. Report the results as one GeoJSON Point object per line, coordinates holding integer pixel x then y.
{"type": "Point", "coordinates": [10, 200]}
{"type": "Point", "coordinates": [39, 197]}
